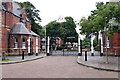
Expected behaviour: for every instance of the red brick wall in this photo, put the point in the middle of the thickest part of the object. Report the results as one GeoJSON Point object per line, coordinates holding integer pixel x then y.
{"type": "Point", "coordinates": [114, 44]}
{"type": "Point", "coordinates": [6, 25]}
{"type": "Point", "coordinates": [34, 43]}
{"type": "Point", "coordinates": [0, 31]}
{"type": "Point", "coordinates": [15, 20]}
{"type": "Point", "coordinates": [28, 25]}
{"type": "Point", "coordinates": [4, 39]}
{"type": "Point", "coordinates": [12, 39]}
{"type": "Point", "coordinates": [39, 44]}
{"type": "Point", "coordinates": [8, 21]}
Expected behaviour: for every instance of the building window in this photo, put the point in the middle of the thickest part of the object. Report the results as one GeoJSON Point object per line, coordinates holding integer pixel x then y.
{"type": "Point", "coordinates": [23, 43]}
{"type": "Point", "coordinates": [16, 43]}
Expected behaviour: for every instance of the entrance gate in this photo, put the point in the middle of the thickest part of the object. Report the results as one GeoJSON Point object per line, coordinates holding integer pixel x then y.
{"type": "Point", "coordinates": [61, 48]}
{"type": "Point", "coordinates": [64, 53]}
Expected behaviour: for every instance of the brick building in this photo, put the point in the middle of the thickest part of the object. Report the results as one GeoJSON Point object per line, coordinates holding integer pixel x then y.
{"type": "Point", "coordinates": [15, 30]}
{"type": "Point", "coordinates": [113, 44]}
{"type": "Point", "coordinates": [0, 29]}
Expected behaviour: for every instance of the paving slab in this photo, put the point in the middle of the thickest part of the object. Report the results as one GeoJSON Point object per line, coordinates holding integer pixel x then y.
{"type": "Point", "coordinates": [18, 59]}
{"type": "Point", "coordinates": [100, 62]}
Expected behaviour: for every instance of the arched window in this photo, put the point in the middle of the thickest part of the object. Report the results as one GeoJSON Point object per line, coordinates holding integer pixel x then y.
{"type": "Point", "coordinates": [16, 43]}
{"type": "Point", "coordinates": [23, 43]}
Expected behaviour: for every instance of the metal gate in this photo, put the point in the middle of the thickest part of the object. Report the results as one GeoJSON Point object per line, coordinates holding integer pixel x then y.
{"type": "Point", "coordinates": [57, 48]}
{"type": "Point", "coordinates": [64, 53]}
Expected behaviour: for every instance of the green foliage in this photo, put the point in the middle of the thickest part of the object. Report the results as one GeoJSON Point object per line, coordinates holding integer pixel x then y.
{"type": "Point", "coordinates": [38, 29]}
{"type": "Point", "coordinates": [33, 16]}
{"type": "Point", "coordinates": [96, 44]}
{"type": "Point", "coordinates": [97, 48]}
{"type": "Point", "coordinates": [62, 29]}
{"type": "Point", "coordinates": [32, 12]}
{"type": "Point", "coordinates": [52, 29]}
{"type": "Point", "coordinates": [99, 19]}
{"type": "Point", "coordinates": [86, 43]}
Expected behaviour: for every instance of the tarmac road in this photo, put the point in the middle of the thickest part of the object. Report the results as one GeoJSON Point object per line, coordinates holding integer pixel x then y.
{"type": "Point", "coordinates": [53, 67]}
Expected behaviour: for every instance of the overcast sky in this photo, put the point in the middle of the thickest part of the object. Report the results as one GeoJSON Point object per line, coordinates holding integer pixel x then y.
{"type": "Point", "coordinates": [51, 10]}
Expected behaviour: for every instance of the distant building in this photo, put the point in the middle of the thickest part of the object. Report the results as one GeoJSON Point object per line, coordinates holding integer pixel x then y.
{"type": "Point", "coordinates": [58, 41]}
{"type": "Point", "coordinates": [15, 30]}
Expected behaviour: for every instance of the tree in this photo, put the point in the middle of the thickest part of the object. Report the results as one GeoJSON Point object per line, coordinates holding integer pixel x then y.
{"type": "Point", "coordinates": [53, 29]}
{"type": "Point", "coordinates": [86, 43]}
{"type": "Point", "coordinates": [70, 26]}
{"type": "Point", "coordinates": [31, 11]}
{"type": "Point", "coordinates": [33, 16]}
{"type": "Point", "coordinates": [100, 18]}
{"type": "Point", "coordinates": [62, 29]}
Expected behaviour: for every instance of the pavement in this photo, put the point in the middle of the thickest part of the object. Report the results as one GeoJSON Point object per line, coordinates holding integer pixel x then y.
{"type": "Point", "coordinates": [18, 59]}
{"type": "Point", "coordinates": [100, 62]}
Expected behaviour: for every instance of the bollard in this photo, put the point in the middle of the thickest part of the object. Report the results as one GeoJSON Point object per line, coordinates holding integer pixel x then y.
{"type": "Point", "coordinates": [101, 54]}
{"type": "Point", "coordinates": [85, 55]}
{"type": "Point", "coordinates": [48, 54]}
{"type": "Point", "coordinates": [92, 54]}
{"type": "Point", "coordinates": [22, 55]}
{"type": "Point", "coordinates": [29, 54]}
{"type": "Point", "coordinates": [80, 47]}
{"type": "Point", "coordinates": [79, 54]}
{"type": "Point", "coordinates": [36, 54]}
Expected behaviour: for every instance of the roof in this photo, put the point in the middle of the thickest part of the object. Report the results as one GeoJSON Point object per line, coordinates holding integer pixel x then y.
{"type": "Point", "coordinates": [17, 9]}
{"type": "Point", "coordinates": [19, 29]}
{"type": "Point", "coordinates": [34, 34]}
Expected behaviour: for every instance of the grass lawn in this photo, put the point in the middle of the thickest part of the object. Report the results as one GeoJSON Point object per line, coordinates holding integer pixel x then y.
{"type": "Point", "coordinates": [5, 60]}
